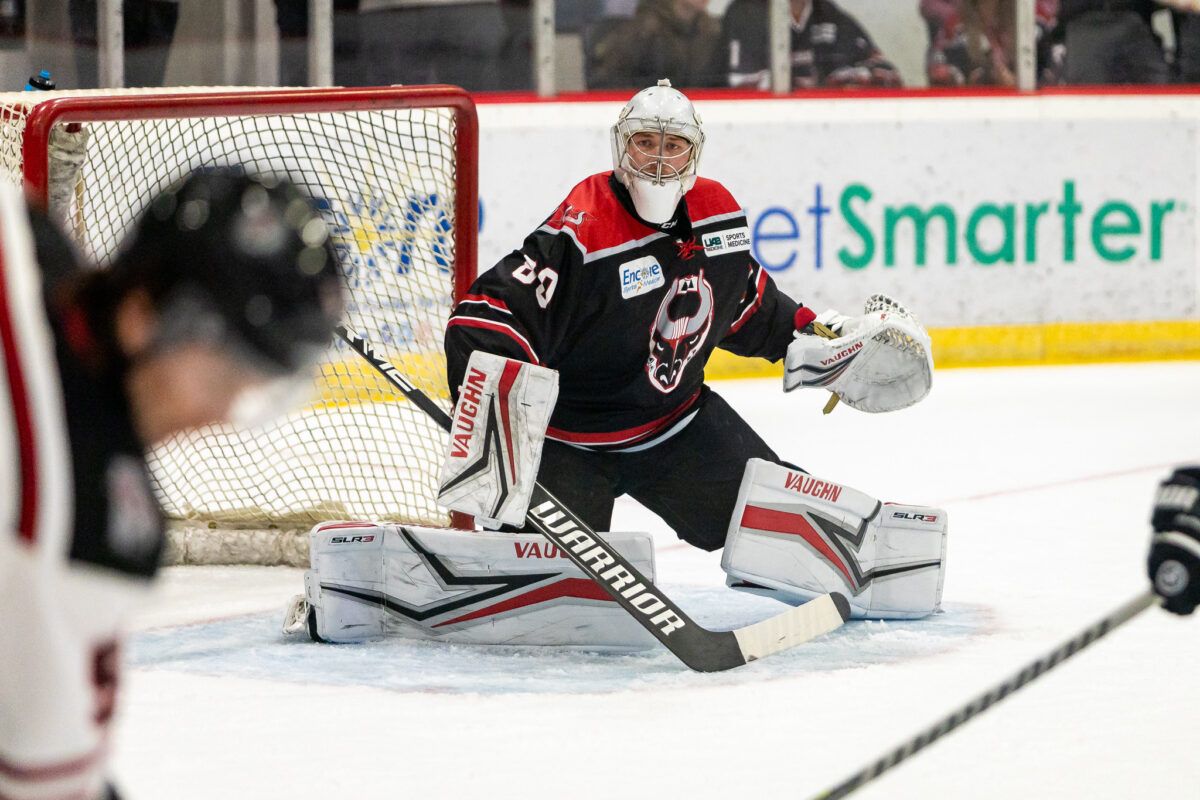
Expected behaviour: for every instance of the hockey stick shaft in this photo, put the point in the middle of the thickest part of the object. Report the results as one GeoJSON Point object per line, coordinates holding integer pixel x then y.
{"type": "Point", "coordinates": [1031, 672]}
{"type": "Point", "coordinates": [702, 650]}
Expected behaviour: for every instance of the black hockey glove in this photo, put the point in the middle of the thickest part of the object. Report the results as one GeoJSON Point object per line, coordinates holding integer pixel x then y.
{"type": "Point", "coordinates": [1175, 545]}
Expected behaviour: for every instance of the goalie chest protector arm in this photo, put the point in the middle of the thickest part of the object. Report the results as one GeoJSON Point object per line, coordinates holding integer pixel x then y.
{"type": "Point", "coordinates": [509, 309]}
{"type": "Point", "coordinates": [768, 320]}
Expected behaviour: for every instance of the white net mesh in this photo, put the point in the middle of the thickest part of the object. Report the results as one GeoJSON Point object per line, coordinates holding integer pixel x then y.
{"type": "Point", "coordinates": [386, 180]}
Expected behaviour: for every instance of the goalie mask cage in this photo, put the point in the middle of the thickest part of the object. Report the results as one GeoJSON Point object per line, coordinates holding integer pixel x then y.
{"type": "Point", "coordinates": [394, 171]}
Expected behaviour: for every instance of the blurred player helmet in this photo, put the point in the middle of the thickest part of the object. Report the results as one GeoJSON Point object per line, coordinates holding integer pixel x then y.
{"type": "Point", "coordinates": [657, 186]}
{"type": "Point", "coordinates": [243, 263]}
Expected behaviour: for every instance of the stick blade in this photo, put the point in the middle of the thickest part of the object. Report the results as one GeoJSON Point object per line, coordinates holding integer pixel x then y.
{"type": "Point", "coordinates": [793, 627]}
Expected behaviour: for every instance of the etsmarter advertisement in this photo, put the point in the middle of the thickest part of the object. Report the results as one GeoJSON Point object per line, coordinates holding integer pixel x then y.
{"type": "Point", "coordinates": [1012, 211]}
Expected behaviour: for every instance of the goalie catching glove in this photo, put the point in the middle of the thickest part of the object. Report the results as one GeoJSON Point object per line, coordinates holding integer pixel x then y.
{"type": "Point", "coordinates": [496, 438]}
{"type": "Point", "coordinates": [880, 361]}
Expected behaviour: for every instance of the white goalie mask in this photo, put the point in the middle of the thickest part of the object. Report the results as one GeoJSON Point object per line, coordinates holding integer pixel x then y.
{"type": "Point", "coordinates": [657, 180]}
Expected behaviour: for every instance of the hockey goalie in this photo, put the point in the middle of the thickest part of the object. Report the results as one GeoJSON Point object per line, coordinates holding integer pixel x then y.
{"type": "Point", "coordinates": [578, 361]}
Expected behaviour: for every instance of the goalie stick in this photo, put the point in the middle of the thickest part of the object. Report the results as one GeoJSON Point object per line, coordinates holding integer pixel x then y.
{"type": "Point", "coordinates": [700, 649]}
{"type": "Point", "coordinates": [983, 702]}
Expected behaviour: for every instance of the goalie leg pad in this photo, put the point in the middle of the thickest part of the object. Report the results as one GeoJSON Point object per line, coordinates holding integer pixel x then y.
{"type": "Point", "coordinates": [795, 537]}
{"type": "Point", "coordinates": [346, 578]}
{"type": "Point", "coordinates": [468, 588]}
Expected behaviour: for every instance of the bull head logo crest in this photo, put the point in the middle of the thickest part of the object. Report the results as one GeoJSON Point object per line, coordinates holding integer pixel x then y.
{"type": "Point", "coordinates": [679, 330]}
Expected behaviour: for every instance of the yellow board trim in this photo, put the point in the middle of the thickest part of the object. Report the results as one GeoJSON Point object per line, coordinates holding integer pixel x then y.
{"type": "Point", "coordinates": [352, 382]}
{"type": "Point", "coordinates": [1023, 345]}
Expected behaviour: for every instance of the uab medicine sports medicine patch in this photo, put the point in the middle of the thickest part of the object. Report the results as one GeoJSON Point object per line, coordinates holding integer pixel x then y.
{"type": "Point", "coordinates": [730, 241]}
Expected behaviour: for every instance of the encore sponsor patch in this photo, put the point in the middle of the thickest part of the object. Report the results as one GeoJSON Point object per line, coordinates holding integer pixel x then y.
{"type": "Point", "coordinates": [640, 276]}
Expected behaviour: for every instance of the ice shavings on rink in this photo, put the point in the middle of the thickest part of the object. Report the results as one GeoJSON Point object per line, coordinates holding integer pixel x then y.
{"type": "Point", "coordinates": [251, 646]}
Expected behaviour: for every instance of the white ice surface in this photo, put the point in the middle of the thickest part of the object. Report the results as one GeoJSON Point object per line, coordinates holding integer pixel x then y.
{"type": "Point", "coordinates": [1047, 475]}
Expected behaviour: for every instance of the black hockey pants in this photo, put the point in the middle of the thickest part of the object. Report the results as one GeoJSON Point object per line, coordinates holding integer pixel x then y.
{"type": "Point", "coordinates": [691, 480]}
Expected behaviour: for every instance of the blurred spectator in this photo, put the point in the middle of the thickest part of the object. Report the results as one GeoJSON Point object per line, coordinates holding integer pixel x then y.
{"type": "Point", "coordinates": [1186, 19]}
{"type": "Point", "coordinates": [1110, 41]}
{"type": "Point", "coordinates": [149, 27]}
{"type": "Point", "coordinates": [572, 16]}
{"type": "Point", "coordinates": [829, 47]}
{"type": "Point", "coordinates": [937, 12]}
{"type": "Point", "coordinates": [620, 8]}
{"type": "Point", "coordinates": [973, 42]}
{"type": "Point", "coordinates": [1188, 48]}
{"type": "Point", "coordinates": [514, 67]}
{"type": "Point", "coordinates": [673, 39]}
{"type": "Point", "coordinates": [291, 16]}
{"type": "Point", "coordinates": [12, 24]}
{"type": "Point", "coordinates": [431, 41]}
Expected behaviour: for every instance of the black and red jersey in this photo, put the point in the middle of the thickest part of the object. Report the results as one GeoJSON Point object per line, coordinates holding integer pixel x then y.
{"type": "Point", "coordinates": [628, 312]}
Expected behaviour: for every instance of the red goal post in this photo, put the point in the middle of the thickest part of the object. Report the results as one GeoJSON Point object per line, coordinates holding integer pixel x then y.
{"type": "Point", "coordinates": [394, 170]}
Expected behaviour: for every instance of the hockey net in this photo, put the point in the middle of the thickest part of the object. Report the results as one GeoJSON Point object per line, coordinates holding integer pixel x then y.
{"type": "Point", "coordinates": [393, 170]}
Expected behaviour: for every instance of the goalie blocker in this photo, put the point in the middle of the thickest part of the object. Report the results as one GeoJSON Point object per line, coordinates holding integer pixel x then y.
{"type": "Point", "coordinates": [496, 438]}
{"type": "Point", "coordinates": [795, 537]}
{"type": "Point", "coordinates": [481, 587]}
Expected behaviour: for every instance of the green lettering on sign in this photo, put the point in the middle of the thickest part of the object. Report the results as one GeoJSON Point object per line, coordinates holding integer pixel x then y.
{"type": "Point", "coordinates": [998, 232]}
{"type": "Point", "coordinates": [1126, 224]}
{"type": "Point", "coordinates": [1007, 251]}
{"type": "Point", "coordinates": [920, 220]}
{"type": "Point", "coordinates": [1069, 208]}
{"type": "Point", "coordinates": [856, 191]}
{"type": "Point", "coordinates": [1032, 212]}
{"type": "Point", "coordinates": [1158, 211]}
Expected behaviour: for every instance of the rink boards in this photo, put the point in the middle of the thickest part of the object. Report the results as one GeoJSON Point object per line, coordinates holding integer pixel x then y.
{"type": "Point", "coordinates": [1056, 228]}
